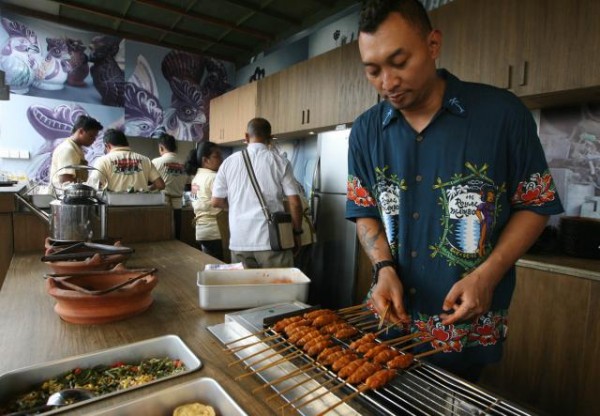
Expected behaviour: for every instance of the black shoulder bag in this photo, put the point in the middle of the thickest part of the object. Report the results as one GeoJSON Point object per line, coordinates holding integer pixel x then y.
{"type": "Point", "coordinates": [281, 235]}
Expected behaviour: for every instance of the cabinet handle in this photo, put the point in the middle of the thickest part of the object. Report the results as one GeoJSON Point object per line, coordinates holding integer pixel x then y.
{"type": "Point", "coordinates": [308, 116]}
{"type": "Point", "coordinates": [524, 68]}
{"type": "Point", "coordinates": [509, 77]}
{"type": "Point", "coordinates": [302, 116]}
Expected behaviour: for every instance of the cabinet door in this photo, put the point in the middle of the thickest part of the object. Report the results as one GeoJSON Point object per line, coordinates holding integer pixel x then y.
{"type": "Point", "coordinates": [246, 110]}
{"type": "Point", "coordinates": [218, 117]}
{"type": "Point", "coordinates": [355, 91]}
{"type": "Point", "coordinates": [268, 102]}
{"type": "Point", "coordinates": [323, 98]}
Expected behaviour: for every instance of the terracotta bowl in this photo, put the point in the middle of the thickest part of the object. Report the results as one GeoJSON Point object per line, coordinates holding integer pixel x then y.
{"type": "Point", "coordinates": [96, 262]}
{"type": "Point", "coordinates": [81, 308]}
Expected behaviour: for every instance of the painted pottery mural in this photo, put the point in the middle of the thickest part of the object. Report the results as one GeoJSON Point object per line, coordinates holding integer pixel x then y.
{"type": "Point", "coordinates": [156, 89]}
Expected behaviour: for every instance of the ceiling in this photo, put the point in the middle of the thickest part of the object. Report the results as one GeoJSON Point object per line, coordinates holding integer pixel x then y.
{"type": "Point", "coordinates": [232, 30]}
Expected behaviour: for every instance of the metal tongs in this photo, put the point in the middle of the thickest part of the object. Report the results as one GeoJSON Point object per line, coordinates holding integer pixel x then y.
{"type": "Point", "coordinates": [63, 279]}
{"type": "Point", "coordinates": [67, 253]}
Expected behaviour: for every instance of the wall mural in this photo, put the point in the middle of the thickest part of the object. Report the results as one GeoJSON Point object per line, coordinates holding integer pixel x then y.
{"type": "Point", "coordinates": [571, 140]}
{"type": "Point", "coordinates": [167, 90]}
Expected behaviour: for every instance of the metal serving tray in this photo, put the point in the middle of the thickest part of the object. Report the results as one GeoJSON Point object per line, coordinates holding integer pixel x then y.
{"type": "Point", "coordinates": [204, 390]}
{"type": "Point", "coordinates": [18, 381]}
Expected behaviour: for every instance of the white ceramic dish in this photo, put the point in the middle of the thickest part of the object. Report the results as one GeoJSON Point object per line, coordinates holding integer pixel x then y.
{"type": "Point", "coordinates": [204, 390]}
{"type": "Point", "coordinates": [239, 289]}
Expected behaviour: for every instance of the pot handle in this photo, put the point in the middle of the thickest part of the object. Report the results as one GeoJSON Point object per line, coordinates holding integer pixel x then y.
{"type": "Point", "coordinates": [81, 167]}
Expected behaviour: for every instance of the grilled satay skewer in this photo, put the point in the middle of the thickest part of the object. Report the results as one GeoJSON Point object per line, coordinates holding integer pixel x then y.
{"type": "Point", "coordinates": [276, 352]}
{"type": "Point", "coordinates": [260, 341]}
{"type": "Point", "coordinates": [373, 382]}
{"type": "Point", "coordinates": [351, 308]}
{"type": "Point", "coordinates": [255, 354]}
{"type": "Point", "coordinates": [266, 367]}
{"type": "Point", "coordinates": [415, 344]}
{"type": "Point", "coordinates": [297, 399]}
{"type": "Point", "coordinates": [281, 379]}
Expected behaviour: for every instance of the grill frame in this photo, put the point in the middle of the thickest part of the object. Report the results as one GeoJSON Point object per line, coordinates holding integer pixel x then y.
{"type": "Point", "coordinates": [422, 390]}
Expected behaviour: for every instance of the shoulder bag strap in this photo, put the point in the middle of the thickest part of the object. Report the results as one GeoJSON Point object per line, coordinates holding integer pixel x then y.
{"type": "Point", "coordinates": [255, 184]}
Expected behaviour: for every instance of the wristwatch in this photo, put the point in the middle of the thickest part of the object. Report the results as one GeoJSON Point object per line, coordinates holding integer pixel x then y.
{"type": "Point", "coordinates": [380, 265]}
{"type": "Point", "coordinates": [298, 232]}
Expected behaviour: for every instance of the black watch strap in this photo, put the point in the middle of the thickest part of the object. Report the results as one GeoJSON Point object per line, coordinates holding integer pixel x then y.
{"type": "Point", "coordinates": [380, 265]}
{"type": "Point", "coordinates": [298, 232]}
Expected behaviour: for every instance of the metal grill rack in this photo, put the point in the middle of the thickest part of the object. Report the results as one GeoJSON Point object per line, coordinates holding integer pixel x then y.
{"type": "Point", "coordinates": [422, 390]}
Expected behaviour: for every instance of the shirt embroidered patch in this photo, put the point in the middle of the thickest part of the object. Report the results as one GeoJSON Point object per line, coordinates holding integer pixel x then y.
{"type": "Point", "coordinates": [470, 208]}
{"type": "Point", "coordinates": [358, 194]}
{"type": "Point", "coordinates": [537, 191]}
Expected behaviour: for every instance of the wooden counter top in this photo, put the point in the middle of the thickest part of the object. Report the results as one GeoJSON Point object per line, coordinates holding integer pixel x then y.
{"type": "Point", "coordinates": [32, 332]}
{"type": "Point", "coordinates": [562, 264]}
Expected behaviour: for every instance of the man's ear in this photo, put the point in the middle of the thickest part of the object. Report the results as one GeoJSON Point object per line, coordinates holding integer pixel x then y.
{"type": "Point", "coordinates": [434, 43]}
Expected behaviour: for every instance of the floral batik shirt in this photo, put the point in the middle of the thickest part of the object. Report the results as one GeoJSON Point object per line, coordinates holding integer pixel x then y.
{"type": "Point", "coordinates": [444, 195]}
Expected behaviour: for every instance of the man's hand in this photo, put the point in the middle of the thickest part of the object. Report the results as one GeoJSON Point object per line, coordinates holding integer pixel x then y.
{"type": "Point", "coordinates": [469, 297]}
{"type": "Point", "coordinates": [388, 291]}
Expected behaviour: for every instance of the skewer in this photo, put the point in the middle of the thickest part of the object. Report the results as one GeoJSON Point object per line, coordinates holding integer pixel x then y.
{"type": "Point", "coordinates": [403, 339]}
{"type": "Point", "coordinates": [361, 389]}
{"type": "Point", "coordinates": [339, 386]}
{"type": "Point", "coordinates": [236, 349]}
{"type": "Point", "coordinates": [431, 352]}
{"type": "Point", "coordinates": [283, 378]}
{"type": "Point", "coordinates": [266, 367]}
{"type": "Point", "coordinates": [243, 338]}
{"type": "Point", "coordinates": [426, 340]}
{"type": "Point", "coordinates": [282, 392]}
{"type": "Point", "coordinates": [268, 356]}
{"type": "Point", "coordinates": [384, 316]}
{"type": "Point", "coordinates": [351, 308]}
{"type": "Point", "coordinates": [365, 326]}
{"type": "Point", "coordinates": [351, 316]}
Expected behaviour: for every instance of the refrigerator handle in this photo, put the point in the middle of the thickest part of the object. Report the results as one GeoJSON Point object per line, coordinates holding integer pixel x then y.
{"type": "Point", "coordinates": [315, 187]}
{"type": "Point", "coordinates": [315, 199]}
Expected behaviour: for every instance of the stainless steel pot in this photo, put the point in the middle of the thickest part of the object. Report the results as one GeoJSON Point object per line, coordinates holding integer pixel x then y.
{"type": "Point", "coordinates": [79, 214]}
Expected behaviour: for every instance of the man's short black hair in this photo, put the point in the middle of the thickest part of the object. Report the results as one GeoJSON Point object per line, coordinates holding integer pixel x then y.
{"type": "Point", "coordinates": [374, 12]}
{"type": "Point", "coordinates": [86, 123]}
{"type": "Point", "coordinates": [259, 127]}
{"type": "Point", "coordinates": [115, 137]}
{"type": "Point", "coordinates": [168, 142]}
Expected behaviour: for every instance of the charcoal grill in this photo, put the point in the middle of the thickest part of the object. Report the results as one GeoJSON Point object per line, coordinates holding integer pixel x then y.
{"type": "Point", "coordinates": [421, 390]}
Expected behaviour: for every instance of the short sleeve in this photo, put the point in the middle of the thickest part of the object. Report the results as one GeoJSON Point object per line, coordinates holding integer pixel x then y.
{"type": "Point", "coordinates": [154, 174]}
{"type": "Point", "coordinates": [288, 182]}
{"type": "Point", "coordinates": [360, 201]}
{"type": "Point", "coordinates": [219, 189]}
{"type": "Point", "coordinates": [532, 186]}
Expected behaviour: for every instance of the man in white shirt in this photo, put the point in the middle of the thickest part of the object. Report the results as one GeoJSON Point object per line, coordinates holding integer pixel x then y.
{"type": "Point", "coordinates": [70, 152]}
{"type": "Point", "coordinates": [127, 171]}
{"type": "Point", "coordinates": [172, 171]}
{"type": "Point", "coordinates": [232, 189]}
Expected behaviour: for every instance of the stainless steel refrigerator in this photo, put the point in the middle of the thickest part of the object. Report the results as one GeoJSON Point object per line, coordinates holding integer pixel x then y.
{"type": "Point", "coordinates": [332, 259]}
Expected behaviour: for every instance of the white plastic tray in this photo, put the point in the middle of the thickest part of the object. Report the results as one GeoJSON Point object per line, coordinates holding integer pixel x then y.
{"type": "Point", "coordinates": [18, 381]}
{"type": "Point", "coordinates": [135, 198]}
{"type": "Point", "coordinates": [240, 289]}
{"type": "Point", "coordinates": [204, 390]}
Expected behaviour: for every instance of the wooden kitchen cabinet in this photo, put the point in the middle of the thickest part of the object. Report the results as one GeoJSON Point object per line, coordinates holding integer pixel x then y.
{"type": "Point", "coordinates": [355, 92]}
{"type": "Point", "coordinates": [306, 94]}
{"type": "Point", "coordinates": [539, 49]}
{"type": "Point", "coordinates": [230, 113]}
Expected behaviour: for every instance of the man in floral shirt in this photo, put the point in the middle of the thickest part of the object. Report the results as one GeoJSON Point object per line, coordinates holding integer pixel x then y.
{"type": "Point", "coordinates": [448, 185]}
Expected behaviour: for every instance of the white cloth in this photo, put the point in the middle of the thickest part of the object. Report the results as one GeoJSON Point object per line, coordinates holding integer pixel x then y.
{"type": "Point", "coordinates": [125, 170]}
{"type": "Point", "coordinates": [67, 153]}
{"type": "Point", "coordinates": [172, 171]}
{"type": "Point", "coordinates": [247, 223]}
{"type": "Point", "coordinates": [205, 214]}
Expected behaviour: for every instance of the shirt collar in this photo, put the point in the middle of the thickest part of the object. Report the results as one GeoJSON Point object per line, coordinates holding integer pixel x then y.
{"type": "Point", "coordinates": [451, 101]}
{"type": "Point", "coordinates": [121, 149]}
{"type": "Point", "coordinates": [256, 146]}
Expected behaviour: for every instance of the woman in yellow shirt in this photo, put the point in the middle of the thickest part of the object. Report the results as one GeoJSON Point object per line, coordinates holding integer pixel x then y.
{"type": "Point", "coordinates": [204, 163]}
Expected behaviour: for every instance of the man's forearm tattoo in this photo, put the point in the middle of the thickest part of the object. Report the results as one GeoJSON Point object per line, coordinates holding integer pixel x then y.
{"type": "Point", "coordinates": [369, 239]}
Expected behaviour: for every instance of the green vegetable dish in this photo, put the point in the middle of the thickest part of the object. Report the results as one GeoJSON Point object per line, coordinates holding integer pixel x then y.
{"type": "Point", "coordinates": [100, 380]}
